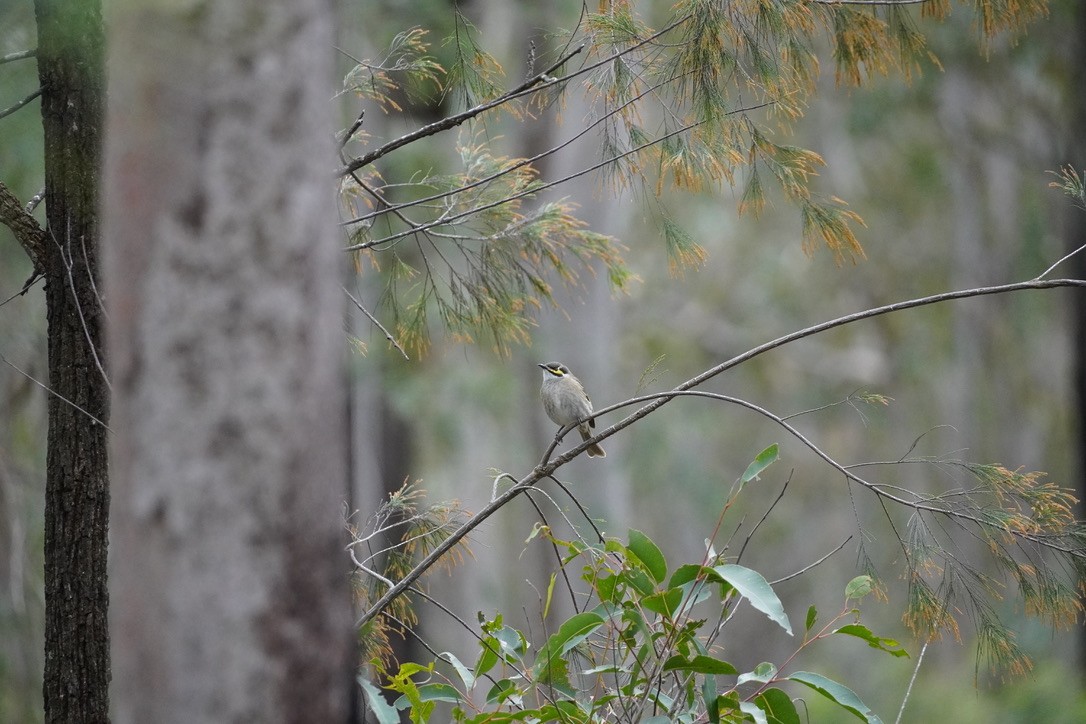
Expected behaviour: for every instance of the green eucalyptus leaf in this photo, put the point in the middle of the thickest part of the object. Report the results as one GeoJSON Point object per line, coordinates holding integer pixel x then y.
{"type": "Point", "coordinates": [753, 711]}
{"type": "Point", "coordinates": [752, 586]}
{"type": "Point", "coordinates": [765, 458]}
{"type": "Point", "coordinates": [860, 631]}
{"type": "Point", "coordinates": [859, 587]}
{"type": "Point", "coordinates": [777, 706]}
{"type": "Point", "coordinates": [700, 664]}
{"type": "Point", "coordinates": [377, 703]}
{"type": "Point", "coordinates": [642, 547]}
{"type": "Point", "coordinates": [665, 603]}
{"type": "Point", "coordinates": [839, 693]}
{"type": "Point", "coordinates": [461, 670]}
{"type": "Point", "coordinates": [763, 673]}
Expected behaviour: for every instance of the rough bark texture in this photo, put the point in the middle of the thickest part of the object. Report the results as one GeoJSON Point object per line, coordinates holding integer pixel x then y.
{"type": "Point", "coordinates": [229, 575]}
{"type": "Point", "coordinates": [76, 677]}
{"type": "Point", "coordinates": [1076, 238]}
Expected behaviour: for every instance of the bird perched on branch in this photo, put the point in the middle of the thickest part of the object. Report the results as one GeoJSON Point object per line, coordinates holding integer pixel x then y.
{"type": "Point", "coordinates": [565, 402]}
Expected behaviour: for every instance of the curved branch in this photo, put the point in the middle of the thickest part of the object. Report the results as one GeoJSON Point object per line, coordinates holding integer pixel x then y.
{"type": "Point", "coordinates": [20, 104]}
{"type": "Point", "coordinates": [708, 374]}
{"type": "Point", "coordinates": [27, 230]}
{"type": "Point", "coordinates": [532, 85]}
{"type": "Point", "coordinates": [20, 55]}
{"type": "Point", "coordinates": [455, 120]}
{"type": "Point", "coordinates": [546, 469]}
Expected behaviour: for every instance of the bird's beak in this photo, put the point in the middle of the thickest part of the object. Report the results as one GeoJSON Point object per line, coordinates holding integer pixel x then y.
{"type": "Point", "coordinates": [542, 366]}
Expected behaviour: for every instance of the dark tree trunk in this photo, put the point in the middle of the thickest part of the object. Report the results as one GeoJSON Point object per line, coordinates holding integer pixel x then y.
{"type": "Point", "coordinates": [70, 63]}
{"type": "Point", "coordinates": [1076, 237]}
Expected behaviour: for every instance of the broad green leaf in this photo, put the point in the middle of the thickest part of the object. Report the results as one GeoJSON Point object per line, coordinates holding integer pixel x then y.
{"type": "Point", "coordinates": [860, 631]}
{"type": "Point", "coordinates": [700, 665]}
{"type": "Point", "coordinates": [605, 588]}
{"type": "Point", "coordinates": [753, 587]}
{"type": "Point", "coordinates": [765, 458]}
{"type": "Point", "coordinates": [461, 670]}
{"type": "Point", "coordinates": [606, 669]}
{"type": "Point", "coordinates": [709, 695]}
{"type": "Point", "coordinates": [812, 616]}
{"type": "Point", "coordinates": [501, 691]}
{"type": "Point", "coordinates": [859, 587]}
{"type": "Point", "coordinates": [572, 632]}
{"type": "Point", "coordinates": [563, 711]}
{"type": "Point", "coordinates": [554, 672]}
{"type": "Point", "coordinates": [844, 696]}
{"type": "Point", "coordinates": [439, 692]}
{"type": "Point", "coordinates": [577, 629]}
{"type": "Point", "coordinates": [686, 573]}
{"type": "Point", "coordinates": [550, 595]}
{"type": "Point", "coordinates": [512, 642]}
{"type": "Point", "coordinates": [726, 704]}
{"type": "Point", "coordinates": [665, 603]}
{"type": "Point", "coordinates": [378, 705]}
{"type": "Point", "coordinates": [639, 581]}
{"type": "Point", "coordinates": [693, 580]}
{"type": "Point", "coordinates": [488, 657]}
{"type": "Point", "coordinates": [763, 673]}
{"type": "Point", "coordinates": [751, 709]}
{"type": "Point", "coordinates": [777, 706]}
{"type": "Point", "coordinates": [646, 551]}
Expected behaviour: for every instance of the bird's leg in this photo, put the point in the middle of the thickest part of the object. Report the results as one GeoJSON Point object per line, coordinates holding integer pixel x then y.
{"type": "Point", "coordinates": [562, 432]}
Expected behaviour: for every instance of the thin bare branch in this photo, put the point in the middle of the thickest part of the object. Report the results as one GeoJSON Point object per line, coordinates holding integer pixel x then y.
{"type": "Point", "coordinates": [34, 201]}
{"type": "Point", "coordinates": [388, 335]}
{"type": "Point", "coordinates": [20, 104]}
{"type": "Point", "coordinates": [519, 164]}
{"type": "Point", "coordinates": [1064, 258]}
{"type": "Point", "coordinates": [20, 55]}
{"type": "Point", "coordinates": [455, 120]}
{"type": "Point", "coordinates": [60, 397]}
{"type": "Point", "coordinates": [547, 467]}
{"type": "Point", "coordinates": [513, 197]}
{"type": "Point", "coordinates": [27, 230]}
{"type": "Point", "coordinates": [803, 570]}
{"type": "Point", "coordinates": [912, 680]}
{"type": "Point", "coordinates": [69, 263]}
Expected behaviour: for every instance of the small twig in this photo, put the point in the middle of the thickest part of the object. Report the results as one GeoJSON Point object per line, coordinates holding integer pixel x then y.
{"type": "Point", "coordinates": [455, 120]}
{"type": "Point", "coordinates": [803, 570]}
{"type": "Point", "coordinates": [55, 394]}
{"type": "Point", "coordinates": [546, 469]}
{"type": "Point", "coordinates": [35, 200]}
{"type": "Point", "coordinates": [69, 263]}
{"type": "Point", "coordinates": [21, 55]}
{"type": "Point", "coordinates": [27, 230]}
{"type": "Point", "coordinates": [765, 515]}
{"type": "Point", "coordinates": [379, 326]}
{"type": "Point", "coordinates": [557, 554]}
{"type": "Point", "coordinates": [912, 680]}
{"type": "Point", "coordinates": [587, 517]}
{"type": "Point", "coordinates": [353, 129]}
{"type": "Point", "coordinates": [26, 287]}
{"type": "Point", "coordinates": [1064, 258]}
{"type": "Point", "coordinates": [20, 104]}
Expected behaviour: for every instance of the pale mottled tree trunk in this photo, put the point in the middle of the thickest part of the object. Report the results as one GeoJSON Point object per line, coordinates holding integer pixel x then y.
{"type": "Point", "coordinates": [229, 577]}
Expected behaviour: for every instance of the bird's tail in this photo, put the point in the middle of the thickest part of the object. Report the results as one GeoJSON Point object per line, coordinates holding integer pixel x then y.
{"type": "Point", "coordinates": [594, 451]}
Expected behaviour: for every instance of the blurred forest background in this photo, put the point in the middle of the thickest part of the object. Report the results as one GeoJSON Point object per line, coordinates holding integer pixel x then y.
{"type": "Point", "coordinates": [950, 174]}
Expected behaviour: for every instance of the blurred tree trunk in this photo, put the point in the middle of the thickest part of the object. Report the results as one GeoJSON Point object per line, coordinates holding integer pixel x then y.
{"type": "Point", "coordinates": [229, 574]}
{"type": "Point", "coordinates": [1076, 238]}
{"type": "Point", "coordinates": [76, 678]}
